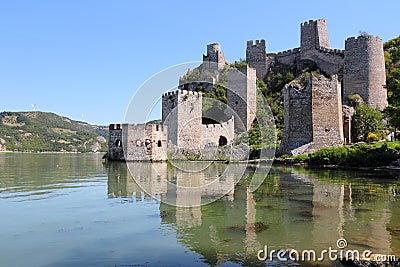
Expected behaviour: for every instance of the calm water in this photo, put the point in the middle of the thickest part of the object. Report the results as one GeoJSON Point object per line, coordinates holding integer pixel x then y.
{"type": "Point", "coordinates": [72, 210]}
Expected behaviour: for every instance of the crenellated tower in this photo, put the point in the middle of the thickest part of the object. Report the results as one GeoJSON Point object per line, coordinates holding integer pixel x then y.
{"type": "Point", "coordinates": [364, 70]}
{"type": "Point", "coordinates": [256, 57]}
{"type": "Point", "coordinates": [314, 35]}
{"type": "Point", "coordinates": [182, 113]}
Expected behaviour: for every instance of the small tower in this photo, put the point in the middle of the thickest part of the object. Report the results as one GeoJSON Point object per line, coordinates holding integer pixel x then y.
{"type": "Point", "coordinates": [364, 70]}
{"type": "Point", "coordinates": [115, 147]}
{"type": "Point", "coordinates": [182, 113]}
{"type": "Point", "coordinates": [241, 96]}
{"type": "Point", "coordinates": [314, 35]}
{"type": "Point", "coordinates": [215, 59]}
{"type": "Point", "coordinates": [256, 57]}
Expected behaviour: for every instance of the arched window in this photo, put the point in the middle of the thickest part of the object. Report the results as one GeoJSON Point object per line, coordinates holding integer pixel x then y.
{"type": "Point", "coordinates": [159, 144]}
{"type": "Point", "coordinates": [222, 141]}
{"type": "Point", "coordinates": [118, 143]}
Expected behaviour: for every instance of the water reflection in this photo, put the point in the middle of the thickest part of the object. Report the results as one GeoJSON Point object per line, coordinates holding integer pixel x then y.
{"type": "Point", "coordinates": [294, 208]}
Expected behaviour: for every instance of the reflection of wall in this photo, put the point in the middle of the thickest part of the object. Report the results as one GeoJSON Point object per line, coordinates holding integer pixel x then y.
{"type": "Point", "coordinates": [338, 209]}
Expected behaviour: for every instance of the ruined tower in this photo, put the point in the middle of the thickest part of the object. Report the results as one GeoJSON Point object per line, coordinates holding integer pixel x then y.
{"type": "Point", "coordinates": [241, 96]}
{"type": "Point", "coordinates": [364, 70]}
{"type": "Point", "coordinates": [312, 114]}
{"type": "Point", "coordinates": [314, 35]}
{"type": "Point", "coordinates": [215, 59]}
{"type": "Point", "coordinates": [256, 57]}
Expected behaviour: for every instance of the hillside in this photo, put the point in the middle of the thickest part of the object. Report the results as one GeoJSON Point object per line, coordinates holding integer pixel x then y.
{"type": "Point", "coordinates": [43, 131]}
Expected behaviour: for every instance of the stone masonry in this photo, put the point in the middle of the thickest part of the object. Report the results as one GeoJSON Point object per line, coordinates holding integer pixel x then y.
{"type": "Point", "coordinates": [182, 113]}
{"type": "Point", "coordinates": [315, 111]}
{"type": "Point", "coordinates": [313, 115]}
{"type": "Point", "coordinates": [141, 142]}
{"type": "Point", "coordinates": [360, 67]}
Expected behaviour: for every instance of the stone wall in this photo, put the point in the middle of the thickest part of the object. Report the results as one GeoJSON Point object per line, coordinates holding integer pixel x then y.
{"type": "Point", "coordinates": [215, 133]}
{"type": "Point", "coordinates": [182, 113]}
{"type": "Point", "coordinates": [364, 70]}
{"type": "Point", "coordinates": [313, 115]}
{"type": "Point", "coordinates": [241, 97]}
{"type": "Point", "coordinates": [141, 142]}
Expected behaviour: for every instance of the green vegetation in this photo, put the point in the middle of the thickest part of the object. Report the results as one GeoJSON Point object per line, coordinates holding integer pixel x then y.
{"type": "Point", "coordinates": [357, 155]}
{"type": "Point", "coordinates": [366, 121]}
{"type": "Point", "coordinates": [392, 59]}
{"type": "Point", "coordinates": [43, 131]}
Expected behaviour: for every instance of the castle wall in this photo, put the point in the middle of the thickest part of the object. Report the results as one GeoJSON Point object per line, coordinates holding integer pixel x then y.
{"type": "Point", "coordinates": [313, 115]}
{"type": "Point", "coordinates": [213, 132]}
{"type": "Point", "coordinates": [255, 57]}
{"type": "Point", "coordinates": [364, 70]}
{"type": "Point", "coordinates": [241, 97]}
{"type": "Point", "coordinates": [289, 57]}
{"type": "Point", "coordinates": [139, 142]}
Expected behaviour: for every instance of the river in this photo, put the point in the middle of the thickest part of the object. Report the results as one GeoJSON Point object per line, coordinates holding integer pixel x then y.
{"type": "Point", "coordinates": [76, 210]}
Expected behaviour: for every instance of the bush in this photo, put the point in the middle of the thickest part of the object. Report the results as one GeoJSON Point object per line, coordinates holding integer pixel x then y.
{"type": "Point", "coordinates": [372, 137]}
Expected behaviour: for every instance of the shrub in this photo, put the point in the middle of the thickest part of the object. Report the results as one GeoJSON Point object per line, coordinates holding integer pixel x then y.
{"type": "Point", "coordinates": [372, 137]}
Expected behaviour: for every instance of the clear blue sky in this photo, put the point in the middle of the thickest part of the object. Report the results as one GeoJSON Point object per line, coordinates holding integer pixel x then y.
{"type": "Point", "coordinates": [89, 57]}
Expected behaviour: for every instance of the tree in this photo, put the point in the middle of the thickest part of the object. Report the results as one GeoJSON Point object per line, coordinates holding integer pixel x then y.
{"type": "Point", "coordinates": [366, 120]}
{"type": "Point", "coordinates": [392, 60]}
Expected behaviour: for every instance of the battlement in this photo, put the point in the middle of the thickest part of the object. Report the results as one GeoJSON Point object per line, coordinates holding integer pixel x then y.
{"type": "Point", "coordinates": [363, 38]}
{"type": "Point", "coordinates": [181, 92]}
{"type": "Point", "coordinates": [220, 125]}
{"type": "Point", "coordinates": [115, 126]}
{"type": "Point", "coordinates": [328, 51]}
{"type": "Point", "coordinates": [257, 43]}
{"type": "Point", "coordinates": [288, 52]}
{"type": "Point", "coordinates": [312, 22]}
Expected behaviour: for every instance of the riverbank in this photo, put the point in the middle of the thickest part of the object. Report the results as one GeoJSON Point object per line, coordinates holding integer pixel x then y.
{"type": "Point", "coordinates": [380, 155]}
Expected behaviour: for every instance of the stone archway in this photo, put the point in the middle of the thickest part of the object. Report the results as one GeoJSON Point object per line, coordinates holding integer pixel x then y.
{"type": "Point", "coordinates": [222, 141]}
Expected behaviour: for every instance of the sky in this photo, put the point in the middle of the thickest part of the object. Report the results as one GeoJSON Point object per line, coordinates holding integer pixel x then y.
{"type": "Point", "coordinates": [86, 59]}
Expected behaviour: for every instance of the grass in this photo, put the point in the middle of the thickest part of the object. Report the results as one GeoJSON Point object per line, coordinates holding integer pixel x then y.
{"type": "Point", "coordinates": [357, 155]}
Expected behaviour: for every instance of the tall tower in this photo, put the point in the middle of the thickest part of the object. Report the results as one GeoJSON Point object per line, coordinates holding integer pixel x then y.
{"type": "Point", "coordinates": [256, 57]}
{"type": "Point", "coordinates": [215, 59]}
{"type": "Point", "coordinates": [364, 70]}
{"type": "Point", "coordinates": [241, 96]}
{"type": "Point", "coordinates": [182, 113]}
{"type": "Point", "coordinates": [314, 35]}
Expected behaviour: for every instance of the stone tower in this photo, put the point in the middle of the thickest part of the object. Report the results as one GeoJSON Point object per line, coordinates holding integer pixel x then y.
{"type": "Point", "coordinates": [314, 35]}
{"type": "Point", "coordinates": [215, 59]}
{"type": "Point", "coordinates": [364, 70]}
{"type": "Point", "coordinates": [256, 57]}
{"type": "Point", "coordinates": [241, 96]}
{"type": "Point", "coordinates": [182, 113]}
{"type": "Point", "coordinates": [313, 115]}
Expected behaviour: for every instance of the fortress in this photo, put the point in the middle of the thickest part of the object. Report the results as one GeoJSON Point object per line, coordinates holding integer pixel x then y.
{"type": "Point", "coordinates": [316, 111]}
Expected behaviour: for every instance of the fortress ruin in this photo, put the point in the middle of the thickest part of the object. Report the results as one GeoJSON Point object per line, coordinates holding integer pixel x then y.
{"type": "Point", "coordinates": [316, 111]}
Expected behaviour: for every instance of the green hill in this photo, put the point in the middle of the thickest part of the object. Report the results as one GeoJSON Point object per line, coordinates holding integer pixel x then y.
{"type": "Point", "coordinates": [44, 131]}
